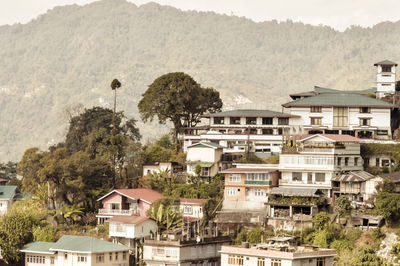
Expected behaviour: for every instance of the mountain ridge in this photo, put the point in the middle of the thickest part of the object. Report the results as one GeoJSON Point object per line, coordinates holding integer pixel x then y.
{"type": "Point", "coordinates": [70, 55]}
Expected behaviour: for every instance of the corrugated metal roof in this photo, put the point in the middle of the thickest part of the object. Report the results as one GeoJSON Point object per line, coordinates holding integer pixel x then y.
{"type": "Point", "coordinates": [385, 62]}
{"type": "Point", "coordinates": [353, 176]}
{"type": "Point", "coordinates": [38, 247]}
{"type": "Point", "coordinates": [7, 192]}
{"type": "Point", "coordinates": [247, 170]}
{"type": "Point", "coordinates": [206, 144]}
{"type": "Point", "coordinates": [339, 100]}
{"type": "Point", "coordinates": [296, 192]}
{"type": "Point", "coordinates": [134, 219]}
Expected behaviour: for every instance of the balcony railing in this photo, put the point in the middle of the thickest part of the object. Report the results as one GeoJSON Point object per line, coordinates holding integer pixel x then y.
{"type": "Point", "coordinates": [116, 212]}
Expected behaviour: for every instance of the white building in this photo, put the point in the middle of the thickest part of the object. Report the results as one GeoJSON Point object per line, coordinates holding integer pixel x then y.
{"type": "Point", "coordinates": [205, 154]}
{"type": "Point", "coordinates": [313, 161]}
{"type": "Point", "coordinates": [126, 229]}
{"type": "Point", "coordinates": [183, 252]}
{"type": "Point", "coordinates": [327, 111]}
{"type": "Point", "coordinates": [237, 130]}
{"type": "Point", "coordinates": [191, 209]}
{"type": "Point", "coordinates": [277, 255]}
{"type": "Point", "coordinates": [385, 78]}
{"type": "Point", "coordinates": [8, 195]}
{"type": "Point", "coordinates": [76, 250]}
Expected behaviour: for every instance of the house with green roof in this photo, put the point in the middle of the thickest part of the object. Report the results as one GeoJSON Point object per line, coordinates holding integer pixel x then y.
{"type": "Point", "coordinates": [256, 130]}
{"type": "Point", "coordinates": [342, 112]}
{"type": "Point", "coordinates": [76, 250]}
{"type": "Point", "coordinates": [8, 195]}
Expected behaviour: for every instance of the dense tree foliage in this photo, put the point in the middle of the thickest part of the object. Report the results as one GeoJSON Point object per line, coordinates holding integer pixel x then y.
{"type": "Point", "coordinates": [342, 205]}
{"type": "Point", "coordinates": [178, 98]}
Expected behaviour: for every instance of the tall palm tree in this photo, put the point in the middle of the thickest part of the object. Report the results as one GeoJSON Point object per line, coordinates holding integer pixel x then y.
{"type": "Point", "coordinates": [115, 84]}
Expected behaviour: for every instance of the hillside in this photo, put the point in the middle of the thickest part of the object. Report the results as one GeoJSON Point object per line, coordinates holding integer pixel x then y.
{"type": "Point", "coordinates": [70, 55]}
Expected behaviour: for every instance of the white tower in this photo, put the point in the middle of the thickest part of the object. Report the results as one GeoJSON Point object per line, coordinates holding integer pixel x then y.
{"type": "Point", "coordinates": [385, 78]}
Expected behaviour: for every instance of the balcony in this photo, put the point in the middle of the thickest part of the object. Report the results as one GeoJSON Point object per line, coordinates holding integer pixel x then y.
{"type": "Point", "coordinates": [116, 212]}
{"type": "Point", "coordinates": [257, 182]}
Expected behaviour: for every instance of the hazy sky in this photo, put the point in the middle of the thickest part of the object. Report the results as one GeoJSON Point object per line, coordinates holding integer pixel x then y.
{"type": "Point", "coordinates": [336, 13]}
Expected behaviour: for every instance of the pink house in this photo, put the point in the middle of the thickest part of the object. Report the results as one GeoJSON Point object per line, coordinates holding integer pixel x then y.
{"type": "Point", "coordinates": [126, 202]}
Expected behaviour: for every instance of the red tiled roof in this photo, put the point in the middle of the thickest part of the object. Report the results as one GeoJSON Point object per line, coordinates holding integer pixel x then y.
{"type": "Point", "coordinates": [196, 201]}
{"type": "Point", "coordinates": [129, 219]}
{"type": "Point", "coordinates": [248, 170]}
{"type": "Point", "coordinates": [4, 180]}
{"type": "Point", "coordinates": [141, 193]}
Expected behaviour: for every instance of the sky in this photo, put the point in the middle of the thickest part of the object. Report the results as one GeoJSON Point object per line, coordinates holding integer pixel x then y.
{"type": "Point", "coordinates": [339, 14]}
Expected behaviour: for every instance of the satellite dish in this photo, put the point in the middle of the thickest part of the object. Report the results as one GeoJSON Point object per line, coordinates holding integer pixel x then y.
{"type": "Point", "coordinates": [198, 239]}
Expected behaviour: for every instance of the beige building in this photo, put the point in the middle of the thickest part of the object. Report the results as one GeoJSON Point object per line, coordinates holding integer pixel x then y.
{"type": "Point", "coordinates": [277, 252]}
{"type": "Point", "coordinates": [76, 250]}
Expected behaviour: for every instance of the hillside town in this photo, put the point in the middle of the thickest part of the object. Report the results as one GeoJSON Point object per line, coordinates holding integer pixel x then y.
{"type": "Point", "coordinates": [305, 186]}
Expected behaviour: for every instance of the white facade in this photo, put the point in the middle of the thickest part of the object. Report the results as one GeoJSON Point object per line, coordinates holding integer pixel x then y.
{"type": "Point", "coordinates": [192, 210]}
{"type": "Point", "coordinates": [385, 79]}
{"type": "Point", "coordinates": [132, 231]}
{"type": "Point", "coordinates": [207, 155]}
{"type": "Point", "coordinates": [161, 167]}
{"type": "Point", "coordinates": [376, 119]}
{"type": "Point", "coordinates": [231, 255]}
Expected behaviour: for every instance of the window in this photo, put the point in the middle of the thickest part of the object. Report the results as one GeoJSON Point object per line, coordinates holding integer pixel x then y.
{"type": "Point", "coordinates": [316, 120]}
{"type": "Point", "coordinates": [339, 161]}
{"type": "Point", "coordinates": [232, 259]}
{"type": "Point", "coordinates": [115, 206]}
{"type": "Point", "coordinates": [65, 255]}
{"type": "Point", "coordinates": [355, 161]}
{"type": "Point", "coordinates": [257, 177]}
{"type": "Point", "coordinates": [276, 262]}
{"type": "Point", "coordinates": [171, 252]}
{"type": "Point", "coordinates": [234, 120]}
{"type": "Point", "coordinates": [232, 191]}
{"type": "Point", "coordinates": [110, 256]}
{"type": "Point", "coordinates": [365, 121]}
{"type": "Point", "coordinates": [82, 258]}
{"type": "Point", "coordinates": [116, 255]}
{"type": "Point", "coordinates": [346, 161]}
{"type": "Point", "coordinates": [260, 262]}
{"type": "Point", "coordinates": [320, 177]}
{"type": "Point", "coordinates": [283, 121]}
{"type": "Point", "coordinates": [377, 162]}
{"type": "Point", "coordinates": [239, 260]}
{"type": "Point", "coordinates": [296, 176]}
{"type": "Point", "coordinates": [124, 255]}
{"type": "Point", "coordinates": [316, 109]}
{"type": "Point", "coordinates": [267, 120]}
{"type": "Point", "coordinates": [280, 131]}
{"type": "Point", "coordinates": [234, 177]}
{"type": "Point", "coordinates": [218, 120]}
{"type": "Point", "coordinates": [188, 209]}
{"type": "Point", "coordinates": [386, 68]}
{"type": "Point", "coordinates": [267, 131]}
{"type": "Point", "coordinates": [251, 120]}
{"type": "Point", "coordinates": [205, 171]}
{"type": "Point", "coordinates": [36, 259]}
{"type": "Point", "coordinates": [340, 116]}
{"type": "Point", "coordinates": [385, 84]}
{"type": "Point", "coordinates": [253, 131]}
{"type": "Point", "coordinates": [321, 262]}
{"type": "Point", "coordinates": [365, 110]}
{"type": "Point", "coordinates": [51, 260]}
{"type": "Point", "coordinates": [100, 257]}
{"type": "Point", "coordinates": [382, 132]}
{"type": "Point", "coordinates": [259, 193]}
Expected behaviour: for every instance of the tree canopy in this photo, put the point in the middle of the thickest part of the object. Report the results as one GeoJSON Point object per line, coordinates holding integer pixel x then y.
{"type": "Point", "coordinates": [178, 98]}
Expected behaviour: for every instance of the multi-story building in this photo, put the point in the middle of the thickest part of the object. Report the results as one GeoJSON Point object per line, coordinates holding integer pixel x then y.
{"type": "Point", "coordinates": [170, 250]}
{"type": "Point", "coordinates": [246, 191]}
{"type": "Point", "coordinates": [191, 209]}
{"type": "Point", "coordinates": [385, 78]}
{"type": "Point", "coordinates": [76, 250]}
{"type": "Point", "coordinates": [126, 202]}
{"type": "Point", "coordinates": [313, 161]}
{"type": "Point", "coordinates": [170, 168]}
{"type": "Point", "coordinates": [259, 131]}
{"type": "Point", "coordinates": [277, 252]}
{"type": "Point", "coordinates": [342, 112]}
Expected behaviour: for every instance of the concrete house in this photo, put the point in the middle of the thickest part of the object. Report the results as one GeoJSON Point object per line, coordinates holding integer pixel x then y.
{"type": "Point", "coordinates": [312, 161]}
{"type": "Point", "coordinates": [207, 155]}
{"type": "Point", "coordinates": [237, 130]}
{"type": "Point", "coordinates": [76, 250]}
{"type": "Point", "coordinates": [191, 209]}
{"type": "Point", "coordinates": [277, 252]}
{"type": "Point", "coordinates": [8, 195]}
{"type": "Point", "coordinates": [341, 112]}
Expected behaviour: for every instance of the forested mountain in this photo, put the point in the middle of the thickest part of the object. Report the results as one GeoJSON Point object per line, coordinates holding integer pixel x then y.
{"type": "Point", "coordinates": [69, 56]}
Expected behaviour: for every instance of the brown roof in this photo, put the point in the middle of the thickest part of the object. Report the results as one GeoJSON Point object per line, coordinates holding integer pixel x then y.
{"type": "Point", "coordinates": [195, 201]}
{"type": "Point", "coordinates": [146, 194]}
{"type": "Point", "coordinates": [129, 219]}
{"type": "Point", "coordinates": [395, 176]}
{"type": "Point", "coordinates": [248, 170]}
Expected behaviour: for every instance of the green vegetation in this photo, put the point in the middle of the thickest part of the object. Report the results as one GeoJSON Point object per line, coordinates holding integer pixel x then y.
{"type": "Point", "coordinates": [178, 98]}
{"type": "Point", "coordinates": [388, 202]}
{"type": "Point", "coordinates": [343, 206]}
